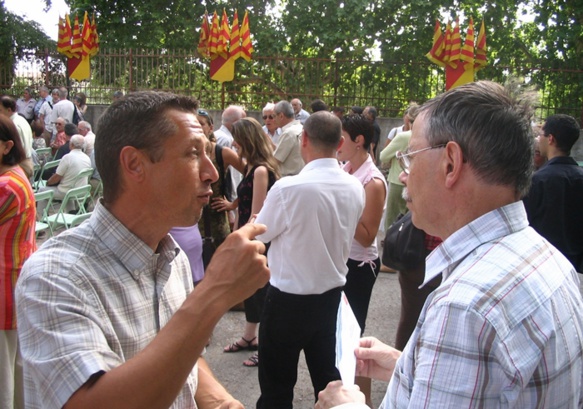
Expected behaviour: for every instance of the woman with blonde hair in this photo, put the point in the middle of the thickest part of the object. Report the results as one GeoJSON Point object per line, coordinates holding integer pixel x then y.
{"type": "Point", "coordinates": [259, 175]}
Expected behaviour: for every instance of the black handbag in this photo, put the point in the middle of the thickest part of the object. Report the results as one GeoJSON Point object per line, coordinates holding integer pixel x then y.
{"type": "Point", "coordinates": [404, 248]}
{"type": "Point", "coordinates": [208, 242]}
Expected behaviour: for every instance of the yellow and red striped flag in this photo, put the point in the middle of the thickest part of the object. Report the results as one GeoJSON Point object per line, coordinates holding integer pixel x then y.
{"type": "Point", "coordinates": [64, 39]}
{"type": "Point", "coordinates": [235, 47]}
{"type": "Point", "coordinates": [205, 34]}
{"type": "Point", "coordinates": [456, 42]}
{"type": "Point", "coordinates": [481, 60]}
{"type": "Point", "coordinates": [467, 51]}
{"type": "Point", "coordinates": [94, 37]}
{"type": "Point", "coordinates": [447, 50]}
{"type": "Point", "coordinates": [214, 39]}
{"type": "Point", "coordinates": [87, 36]}
{"type": "Point", "coordinates": [77, 44]}
{"type": "Point", "coordinates": [224, 37]}
{"type": "Point", "coordinates": [437, 51]}
{"type": "Point", "coordinates": [246, 46]}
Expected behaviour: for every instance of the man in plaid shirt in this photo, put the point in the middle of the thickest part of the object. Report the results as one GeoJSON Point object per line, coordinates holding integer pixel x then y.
{"type": "Point", "coordinates": [504, 328]}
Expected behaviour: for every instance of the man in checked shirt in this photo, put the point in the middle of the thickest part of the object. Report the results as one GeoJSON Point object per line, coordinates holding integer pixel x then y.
{"type": "Point", "coordinates": [504, 328]}
{"type": "Point", "coordinates": [107, 313]}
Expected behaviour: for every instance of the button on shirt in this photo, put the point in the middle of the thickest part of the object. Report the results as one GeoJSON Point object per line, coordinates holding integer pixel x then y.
{"type": "Point", "coordinates": [504, 328]}
{"type": "Point", "coordinates": [303, 257]}
{"type": "Point", "coordinates": [89, 300]}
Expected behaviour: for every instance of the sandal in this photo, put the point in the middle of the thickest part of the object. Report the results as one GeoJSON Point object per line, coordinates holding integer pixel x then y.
{"type": "Point", "coordinates": [252, 361]}
{"type": "Point", "coordinates": [236, 347]}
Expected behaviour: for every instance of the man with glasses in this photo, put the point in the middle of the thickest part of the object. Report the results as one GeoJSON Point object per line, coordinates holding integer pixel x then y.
{"type": "Point", "coordinates": [270, 128]}
{"type": "Point", "coordinates": [504, 327]}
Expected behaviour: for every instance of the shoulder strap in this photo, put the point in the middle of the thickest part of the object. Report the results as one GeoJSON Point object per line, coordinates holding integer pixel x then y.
{"type": "Point", "coordinates": [219, 158]}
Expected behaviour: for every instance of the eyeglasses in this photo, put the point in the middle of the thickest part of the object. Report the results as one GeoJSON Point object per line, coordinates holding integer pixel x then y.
{"type": "Point", "coordinates": [202, 112]}
{"type": "Point", "coordinates": [268, 116]}
{"type": "Point", "coordinates": [404, 157]}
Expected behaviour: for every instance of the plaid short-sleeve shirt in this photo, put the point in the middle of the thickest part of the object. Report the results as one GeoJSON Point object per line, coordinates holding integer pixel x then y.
{"type": "Point", "coordinates": [504, 329]}
{"type": "Point", "coordinates": [92, 298]}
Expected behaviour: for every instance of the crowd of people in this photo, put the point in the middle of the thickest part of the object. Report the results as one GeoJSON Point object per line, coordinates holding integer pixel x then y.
{"type": "Point", "coordinates": [125, 304]}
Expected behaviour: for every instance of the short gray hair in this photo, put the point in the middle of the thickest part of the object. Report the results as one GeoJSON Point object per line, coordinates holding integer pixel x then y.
{"type": "Point", "coordinates": [63, 92]}
{"type": "Point", "coordinates": [285, 108]}
{"type": "Point", "coordinates": [232, 114]}
{"type": "Point", "coordinates": [270, 106]}
{"type": "Point", "coordinates": [85, 124]}
{"type": "Point", "coordinates": [77, 141]}
{"type": "Point", "coordinates": [491, 126]}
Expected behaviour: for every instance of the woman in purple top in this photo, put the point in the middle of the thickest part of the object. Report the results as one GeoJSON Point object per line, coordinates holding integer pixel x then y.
{"type": "Point", "coordinates": [260, 173]}
{"type": "Point", "coordinates": [190, 240]}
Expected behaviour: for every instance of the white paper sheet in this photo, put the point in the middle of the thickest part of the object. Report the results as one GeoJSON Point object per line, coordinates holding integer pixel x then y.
{"type": "Point", "coordinates": [347, 340]}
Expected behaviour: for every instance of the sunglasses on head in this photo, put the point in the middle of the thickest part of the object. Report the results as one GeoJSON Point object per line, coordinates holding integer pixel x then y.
{"type": "Point", "coordinates": [202, 112]}
{"type": "Point", "coordinates": [268, 116]}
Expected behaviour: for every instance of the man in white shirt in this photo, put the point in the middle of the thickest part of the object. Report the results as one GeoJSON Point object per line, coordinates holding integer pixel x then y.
{"type": "Point", "coordinates": [44, 114]}
{"type": "Point", "coordinates": [230, 115]}
{"type": "Point", "coordinates": [270, 128]}
{"type": "Point", "coordinates": [64, 177]}
{"type": "Point", "coordinates": [8, 109]}
{"type": "Point", "coordinates": [84, 128]}
{"type": "Point", "coordinates": [224, 138]}
{"type": "Point", "coordinates": [300, 113]}
{"type": "Point", "coordinates": [311, 219]}
{"type": "Point", "coordinates": [62, 109]}
{"type": "Point", "coordinates": [288, 152]}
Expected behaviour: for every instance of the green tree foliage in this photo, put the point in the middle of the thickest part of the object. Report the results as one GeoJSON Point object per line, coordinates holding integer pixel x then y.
{"type": "Point", "coordinates": [19, 41]}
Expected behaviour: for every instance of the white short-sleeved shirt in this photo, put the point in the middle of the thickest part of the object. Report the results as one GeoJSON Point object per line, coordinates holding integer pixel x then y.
{"type": "Point", "coordinates": [311, 219]}
{"type": "Point", "coordinates": [69, 167]}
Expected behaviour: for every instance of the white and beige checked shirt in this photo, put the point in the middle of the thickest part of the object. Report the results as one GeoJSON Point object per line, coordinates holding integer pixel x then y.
{"type": "Point", "coordinates": [504, 329]}
{"type": "Point", "coordinates": [89, 300]}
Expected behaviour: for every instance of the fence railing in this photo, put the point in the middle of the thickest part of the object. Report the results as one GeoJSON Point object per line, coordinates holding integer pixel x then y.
{"type": "Point", "coordinates": [389, 86]}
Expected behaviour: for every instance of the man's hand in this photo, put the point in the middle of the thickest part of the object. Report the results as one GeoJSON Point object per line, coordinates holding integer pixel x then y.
{"type": "Point", "coordinates": [239, 266]}
{"type": "Point", "coordinates": [375, 360]}
{"type": "Point", "coordinates": [233, 404]}
{"type": "Point", "coordinates": [335, 394]}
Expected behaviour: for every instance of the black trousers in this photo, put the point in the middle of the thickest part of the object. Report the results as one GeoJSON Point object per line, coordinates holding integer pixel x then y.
{"type": "Point", "coordinates": [291, 323]}
{"type": "Point", "coordinates": [358, 288]}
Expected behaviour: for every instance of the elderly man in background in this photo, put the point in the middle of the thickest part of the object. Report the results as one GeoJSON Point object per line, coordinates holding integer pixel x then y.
{"type": "Point", "coordinates": [44, 96]}
{"type": "Point", "coordinates": [230, 115]}
{"type": "Point", "coordinates": [299, 113]}
{"type": "Point", "coordinates": [44, 114]}
{"type": "Point", "coordinates": [63, 108]}
{"type": "Point", "coordinates": [64, 177]}
{"type": "Point", "coordinates": [288, 150]}
{"type": "Point", "coordinates": [84, 128]}
{"type": "Point", "coordinates": [25, 105]}
{"type": "Point", "coordinates": [270, 128]}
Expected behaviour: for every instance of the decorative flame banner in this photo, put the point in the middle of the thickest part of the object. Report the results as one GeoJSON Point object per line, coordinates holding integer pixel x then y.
{"type": "Point", "coordinates": [224, 44]}
{"type": "Point", "coordinates": [78, 45]}
{"type": "Point", "coordinates": [460, 62]}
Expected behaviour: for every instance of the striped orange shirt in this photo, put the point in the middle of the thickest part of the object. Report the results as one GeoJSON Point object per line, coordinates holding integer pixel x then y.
{"type": "Point", "coordinates": [17, 237]}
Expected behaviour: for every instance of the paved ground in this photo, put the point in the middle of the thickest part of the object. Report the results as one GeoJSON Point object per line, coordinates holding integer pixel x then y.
{"type": "Point", "coordinates": [242, 381]}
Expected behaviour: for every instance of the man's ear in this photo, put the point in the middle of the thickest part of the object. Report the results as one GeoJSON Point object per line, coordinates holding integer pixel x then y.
{"type": "Point", "coordinates": [340, 142]}
{"type": "Point", "coordinates": [552, 139]}
{"type": "Point", "coordinates": [132, 163]}
{"type": "Point", "coordinates": [304, 139]}
{"type": "Point", "coordinates": [452, 163]}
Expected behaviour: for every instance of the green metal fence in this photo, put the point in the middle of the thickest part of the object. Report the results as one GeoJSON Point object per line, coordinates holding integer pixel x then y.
{"type": "Point", "coordinates": [389, 86]}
